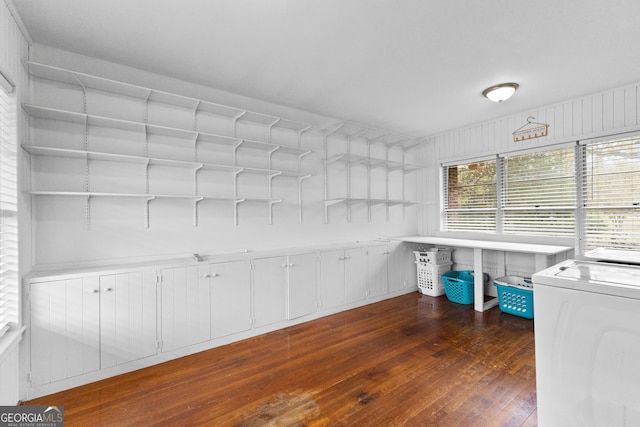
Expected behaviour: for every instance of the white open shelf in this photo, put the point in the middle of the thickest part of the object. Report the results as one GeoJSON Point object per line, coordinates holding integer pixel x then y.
{"type": "Point", "coordinates": [390, 141]}
{"type": "Point", "coordinates": [354, 159]}
{"type": "Point", "coordinates": [192, 137]}
{"type": "Point", "coordinates": [152, 95]}
{"type": "Point", "coordinates": [96, 155]}
{"type": "Point", "coordinates": [151, 129]}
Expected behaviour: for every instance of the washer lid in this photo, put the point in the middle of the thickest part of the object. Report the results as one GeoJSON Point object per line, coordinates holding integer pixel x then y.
{"type": "Point", "coordinates": [614, 274]}
{"type": "Point", "coordinates": [605, 278]}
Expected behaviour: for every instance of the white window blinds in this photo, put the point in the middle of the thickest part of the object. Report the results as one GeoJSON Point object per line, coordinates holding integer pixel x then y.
{"type": "Point", "coordinates": [612, 194]}
{"type": "Point", "coordinates": [539, 193]}
{"type": "Point", "coordinates": [8, 213]}
{"type": "Point", "coordinates": [470, 197]}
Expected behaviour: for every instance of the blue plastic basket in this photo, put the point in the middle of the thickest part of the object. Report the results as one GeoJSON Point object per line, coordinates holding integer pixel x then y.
{"type": "Point", "coordinates": [515, 296]}
{"type": "Point", "coordinates": [458, 285]}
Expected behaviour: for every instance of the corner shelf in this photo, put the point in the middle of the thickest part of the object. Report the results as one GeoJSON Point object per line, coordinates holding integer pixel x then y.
{"type": "Point", "coordinates": [191, 136]}
{"type": "Point", "coordinates": [370, 136]}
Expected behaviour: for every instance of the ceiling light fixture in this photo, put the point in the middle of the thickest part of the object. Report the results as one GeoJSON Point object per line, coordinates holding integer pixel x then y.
{"type": "Point", "coordinates": [501, 92]}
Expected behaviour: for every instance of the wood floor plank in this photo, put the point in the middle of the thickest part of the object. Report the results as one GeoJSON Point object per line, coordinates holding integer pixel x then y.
{"type": "Point", "coordinates": [412, 360]}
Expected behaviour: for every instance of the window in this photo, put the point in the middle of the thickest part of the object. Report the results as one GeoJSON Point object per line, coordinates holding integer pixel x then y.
{"type": "Point", "coordinates": [540, 193]}
{"type": "Point", "coordinates": [8, 210]}
{"type": "Point", "coordinates": [525, 194]}
{"type": "Point", "coordinates": [470, 197]}
{"type": "Point", "coordinates": [612, 194]}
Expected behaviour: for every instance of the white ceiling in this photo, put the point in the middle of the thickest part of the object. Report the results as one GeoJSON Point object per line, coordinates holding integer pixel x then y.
{"type": "Point", "coordinates": [413, 66]}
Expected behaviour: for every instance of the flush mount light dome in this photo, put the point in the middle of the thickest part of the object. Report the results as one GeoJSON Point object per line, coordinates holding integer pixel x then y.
{"type": "Point", "coordinates": [501, 92]}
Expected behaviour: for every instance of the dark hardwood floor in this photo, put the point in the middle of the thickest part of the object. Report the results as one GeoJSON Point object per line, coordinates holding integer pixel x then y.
{"type": "Point", "coordinates": [414, 360]}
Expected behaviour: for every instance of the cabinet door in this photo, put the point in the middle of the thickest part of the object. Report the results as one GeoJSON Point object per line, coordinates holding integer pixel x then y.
{"type": "Point", "coordinates": [127, 317]}
{"type": "Point", "coordinates": [397, 266]}
{"type": "Point", "coordinates": [332, 292]}
{"type": "Point", "coordinates": [186, 311]}
{"type": "Point", "coordinates": [355, 274]}
{"type": "Point", "coordinates": [377, 271]}
{"type": "Point", "coordinates": [302, 285]}
{"type": "Point", "coordinates": [269, 290]}
{"type": "Point", "coordinates": [410, 269]}
{"type": "Point", "coordinates": [230, 297]}
{"type": "Point", "coordinates": [65, 329]}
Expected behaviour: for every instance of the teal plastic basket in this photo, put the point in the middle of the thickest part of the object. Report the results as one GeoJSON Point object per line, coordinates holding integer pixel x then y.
{"type": "Point", "coordinates": [515, 296]}
{"type": "Point", "coordinates": [458, 285]}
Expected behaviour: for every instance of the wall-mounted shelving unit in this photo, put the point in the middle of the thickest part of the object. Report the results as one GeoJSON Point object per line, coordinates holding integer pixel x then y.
{"type": "Point", "coordinates": [191, 135]}
{"type": "Point", "coordinates": [370, 136]}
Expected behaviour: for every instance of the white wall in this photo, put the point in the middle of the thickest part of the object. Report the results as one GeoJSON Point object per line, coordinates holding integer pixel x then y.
{"type": "Point", "coordinates": [117, 229]}
{"type": "Point", "coordinates": [607, 113]}
{"type": "Point", "coordinates": [611, 112]}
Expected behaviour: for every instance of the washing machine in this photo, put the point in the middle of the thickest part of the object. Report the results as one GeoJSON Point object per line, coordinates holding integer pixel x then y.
{"type": "Point", "coordinates": [587, 342]}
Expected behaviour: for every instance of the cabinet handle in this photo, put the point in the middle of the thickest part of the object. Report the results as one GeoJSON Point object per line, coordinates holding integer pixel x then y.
{"type": "Point", "coordinates": [214, 275]}
{"type": "Point", "coordinates": [108, 289]}
{"type": "Point", "coordinates": [94, 291]}
{"type": "Point", "coordinates": [206, 276]}
{"type": "Point", "coordinates": [284, 265]}
{"type": "Point", "coordinates": [292, 265]}
{"type": "Point", "coordinates": [347, 257]}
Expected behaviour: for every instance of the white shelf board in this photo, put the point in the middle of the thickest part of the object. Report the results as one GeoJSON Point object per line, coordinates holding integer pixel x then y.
{"type": "Point", "coordinates": [355, 159]}
{"type": "Point", "coordinates": [352, 200]}
{"type": "Point", "coordinates": [96, 155]}
{"type": "Point", "coordinates": [81, 118]}
{"type": "Point", "coordinates": [151, 196]}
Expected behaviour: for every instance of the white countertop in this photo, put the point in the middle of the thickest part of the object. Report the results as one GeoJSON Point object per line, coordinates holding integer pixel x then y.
{"type": "Point", "coordinates": [487, 244]}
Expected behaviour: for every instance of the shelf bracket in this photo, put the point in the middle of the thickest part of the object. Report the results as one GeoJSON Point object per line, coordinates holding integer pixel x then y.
{"type": "Point", "coordinates": [235, 210]}
{"type": "Point", "coordinates": [271, 203]}
{"type": "Point", "coordinates": [235, 151]}
{"type": "Point", "coordinates": [334, 130]}
{"type": "Point", "coordinates": [235, 183]}
{"type": "Point", "coordinates": [195, 146]}
{"type": "Point", "coordinates": [300, 179]}
{"type": "Point", "coordinates": [195, 210]}
{"type": "Point", "coordinates": [195, 178]}
{"type": "Point", "coordinates": [195, 116]}
{"type": "Point", "coordinates": [271, 125]}
{"type": "Point", "coordinates": [146, 210]}
{"type": "Point", "coordinates": [272, 174]}
{"type": "Point", "coordinates": [235, 122]}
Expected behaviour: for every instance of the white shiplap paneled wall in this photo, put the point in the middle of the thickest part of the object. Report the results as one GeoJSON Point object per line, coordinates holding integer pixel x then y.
{"type": "Point", "coordinates": [607, 113]}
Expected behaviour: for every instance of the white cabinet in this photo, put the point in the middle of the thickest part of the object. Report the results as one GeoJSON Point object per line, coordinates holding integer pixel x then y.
{"type": "Point", "coordinates": [401, 267]}
{"type": "Point", "coordinates": [204, 301]}
{"type": "Point", "coordinates": [343, 277]}
{"type": "Point", "coordinates": [355, 274]}
{"type": "Point", "coordinates": [378, 271]}
{"type": "Point", "coordinates": [284, 288]}
{"type": "Point", "coordinates": [185, 301]}
{"type": "Point", "coordinates": [302, 285]}
{"type": "Point", "coordinates": [81, 325]}
{"type": "Point", "coordinates": [230, 285]}
{"type": "Point", "coordinates": [269, 290]}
